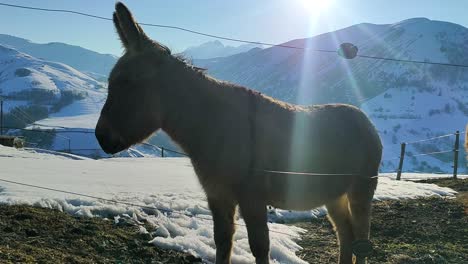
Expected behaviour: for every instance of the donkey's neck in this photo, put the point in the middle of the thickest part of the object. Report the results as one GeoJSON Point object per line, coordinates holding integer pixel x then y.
{"type": "Point", "coordinates": [199, 110]}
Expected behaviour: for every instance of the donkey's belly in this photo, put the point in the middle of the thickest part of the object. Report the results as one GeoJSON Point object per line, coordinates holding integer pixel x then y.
{"type": "Point", "coordinates": [305, 192]}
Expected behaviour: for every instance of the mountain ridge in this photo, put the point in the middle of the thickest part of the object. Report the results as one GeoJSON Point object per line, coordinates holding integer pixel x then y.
{"type": "Point", "coordinates": [90, 62]}
{"type": "Point", "coordinates": [215, 49]}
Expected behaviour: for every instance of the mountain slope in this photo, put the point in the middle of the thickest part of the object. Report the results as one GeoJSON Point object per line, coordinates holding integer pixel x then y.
{"type": "Point", "coordinates": [406, 101]}
{"type": "Point", "coordinates": [51, 94]}
{"type": "Point", "coordinates": [215, 49]}
{"type": "Point", "coordinates": [84, 60]}
{"type": "Point", "coordinates": [28, 80]}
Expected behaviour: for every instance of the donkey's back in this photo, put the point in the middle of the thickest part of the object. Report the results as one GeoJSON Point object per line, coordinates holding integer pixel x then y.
{"type": "Point", "coordinates": [335, 145]}
{"type": "Point", "coordinates": [331, 138]}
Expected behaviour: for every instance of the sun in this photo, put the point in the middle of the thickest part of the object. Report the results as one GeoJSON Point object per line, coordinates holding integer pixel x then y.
{"type": "Point", "coordinates": [317, 6]}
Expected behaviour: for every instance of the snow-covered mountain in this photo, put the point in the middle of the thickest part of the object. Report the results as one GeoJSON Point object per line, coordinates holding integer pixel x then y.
{"type": "Point", "coordinates": [90, 62]}
{"type": "Point", "coordinates": [215, 49]}
{"type": "Point", "coordinates": [49, 93]}
{"type": "Point", "coordinates": [406, 101]}
{"type": "Point", "coordinates": [26, 80]}
{"type": "Point", "coordinates": [42, 94]}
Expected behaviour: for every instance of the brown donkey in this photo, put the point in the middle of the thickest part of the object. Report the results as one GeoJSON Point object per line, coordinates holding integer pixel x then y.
{"type": "Point", "coordinates": [235, 139]}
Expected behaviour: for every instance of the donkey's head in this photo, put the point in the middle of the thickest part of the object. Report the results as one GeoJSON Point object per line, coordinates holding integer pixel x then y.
{"type": "Point", "coordinates": [132, 110]}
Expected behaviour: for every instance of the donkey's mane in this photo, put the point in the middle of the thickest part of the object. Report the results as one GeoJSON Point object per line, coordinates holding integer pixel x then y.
{"type": "Point", "coordinates": [234, 89]}
{"type": "Point", "coordinates": [188, 62]}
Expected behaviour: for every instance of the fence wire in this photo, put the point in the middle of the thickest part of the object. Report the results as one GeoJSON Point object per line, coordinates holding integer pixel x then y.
{"type": "Point", "coordinates": [164, 210]}
{"type": "Point", "coordinates": [233, 39]}
{"type": "Point", "coordinates": [430, 139]}
{"type": "Point", "coordinates": [431, 153]}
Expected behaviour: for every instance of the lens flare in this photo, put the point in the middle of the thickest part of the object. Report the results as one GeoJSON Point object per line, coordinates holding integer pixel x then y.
{"type": "Point", "coordinates": [317, 6]}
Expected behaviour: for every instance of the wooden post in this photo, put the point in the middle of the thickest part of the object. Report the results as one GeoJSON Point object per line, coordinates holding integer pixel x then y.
{"type": "Point", "coordinates": [402, 158]}
{"type": "Point", "coordinates": [162, 152]}
{"type": "Point", "coordinates": [456, 149]}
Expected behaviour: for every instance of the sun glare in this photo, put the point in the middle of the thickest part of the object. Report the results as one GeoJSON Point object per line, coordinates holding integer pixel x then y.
{"type": "Point", "coordinates": [317, 6]}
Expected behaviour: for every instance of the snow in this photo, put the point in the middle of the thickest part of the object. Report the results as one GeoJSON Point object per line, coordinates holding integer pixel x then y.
{"type": "Point", "coordinates": [21, 72]}
{"type": "Point", "coordinates": [79, 58]}
{"type": "Point", "coordinates": [84, 121]}
{"type": "Point", "coordinates": [40, 74]}
{"type": "Point", "coordinates": [421, 176]}
{"type": "Point", "coordinates": [166, 183]}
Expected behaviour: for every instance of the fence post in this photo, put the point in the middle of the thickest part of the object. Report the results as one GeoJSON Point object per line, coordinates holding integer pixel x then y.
{"type": "Point", "coordinates": [69, 146]}
{"type": "Point", "coordinates": [1, 116]}
{"type": "Point", "coordinates": [162, 152]}
{"type": "Point", "coordinates": [402, 158]}
{"type": "Point", "coordinates": [456, 149]}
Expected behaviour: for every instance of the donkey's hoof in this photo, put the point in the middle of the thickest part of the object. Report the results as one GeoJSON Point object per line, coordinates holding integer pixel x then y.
{"type": "Point", "coordinates": [362, 248]}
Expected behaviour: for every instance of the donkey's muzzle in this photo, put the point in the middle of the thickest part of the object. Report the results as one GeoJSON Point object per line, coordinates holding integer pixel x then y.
{"type": "Point", "coordinates": [109, 140]}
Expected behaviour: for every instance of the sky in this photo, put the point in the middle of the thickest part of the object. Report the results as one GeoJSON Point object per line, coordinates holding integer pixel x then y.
{"type": "Point", "coordinates": [272, 21]}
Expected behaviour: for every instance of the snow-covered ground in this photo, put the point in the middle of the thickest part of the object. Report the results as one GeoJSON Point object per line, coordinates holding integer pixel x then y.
{"type": "Point", "coordinates": [166, 183]}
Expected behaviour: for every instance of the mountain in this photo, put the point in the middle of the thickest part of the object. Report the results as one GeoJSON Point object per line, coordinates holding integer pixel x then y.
{"type": "Point", "coordinates": [50, 93]}
{"type": "Point", "coordinates": [90, 62]}
{"type": "Point", "coordinates": [214, 49]}
{"type": "Point", "coordinates": [26, 80]}
{"type": "Point", "coordinates": [406, 101]}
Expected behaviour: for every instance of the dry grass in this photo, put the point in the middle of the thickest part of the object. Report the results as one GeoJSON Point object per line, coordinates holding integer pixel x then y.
{"type": "Point", "coordinates": [430, 230]}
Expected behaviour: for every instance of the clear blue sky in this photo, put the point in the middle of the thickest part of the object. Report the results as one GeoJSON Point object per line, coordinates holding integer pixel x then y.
{"type": "Point", "coordinates": [274, 21]}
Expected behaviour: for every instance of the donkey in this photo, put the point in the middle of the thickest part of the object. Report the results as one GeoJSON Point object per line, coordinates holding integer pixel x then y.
{"type": "Point", "coordinates": [237, 138]}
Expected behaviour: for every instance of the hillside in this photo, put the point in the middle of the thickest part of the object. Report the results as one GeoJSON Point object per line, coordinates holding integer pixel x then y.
{"type": "Point", "coordinates": [49, 93]}
{"type": "Point", "coordinates": [90, 62]}
{"type": "Point", "coordinates": [54, 95]}
{"type": "Point", "coordinates": [406, 101]}
{"type": "Point", "coordinates": [56, 88]}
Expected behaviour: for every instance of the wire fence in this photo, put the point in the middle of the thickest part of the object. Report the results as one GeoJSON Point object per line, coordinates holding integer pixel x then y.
{"type": "Point", "coordinates": [455, 150]}
{"type": "Point", "coordinates": [170, 211]}
{"type": "Point", "coordinates": [337, 52]}
{"type": "Point", "coordinates": [79, 151]}
{"type": "Point", "coordinates": [164, 150]}
{"type": "Point", "coordinates": [114, 201]}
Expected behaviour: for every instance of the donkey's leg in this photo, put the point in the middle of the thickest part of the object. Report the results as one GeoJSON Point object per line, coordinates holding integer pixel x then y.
{"type": "Point", "coordinates": [338, 213]}
{"type": "Point", "coordinates": [360, 201]}
{"type": "Point", "coordinates": [223, 212]}
{"type": "Point", "coordinates": [254, 213]}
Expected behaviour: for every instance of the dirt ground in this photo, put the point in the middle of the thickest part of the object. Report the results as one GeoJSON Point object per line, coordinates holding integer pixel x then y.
{"type": "Point", "coordinates": [37, 235]}
{"type": "Point", "coordinates": [430, 230]}
{"type": "Point", "coordinates": [422, 231]}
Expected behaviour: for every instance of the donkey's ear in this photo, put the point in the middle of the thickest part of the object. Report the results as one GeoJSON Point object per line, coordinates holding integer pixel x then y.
{"type": "Point", "coordinates": [119, 30]}
{"type": "Point", "coordinates": [131, 34]}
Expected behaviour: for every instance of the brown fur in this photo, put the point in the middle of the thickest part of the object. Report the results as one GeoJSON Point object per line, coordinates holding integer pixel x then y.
{"type": "Point", "coordinates": [214, 121]}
